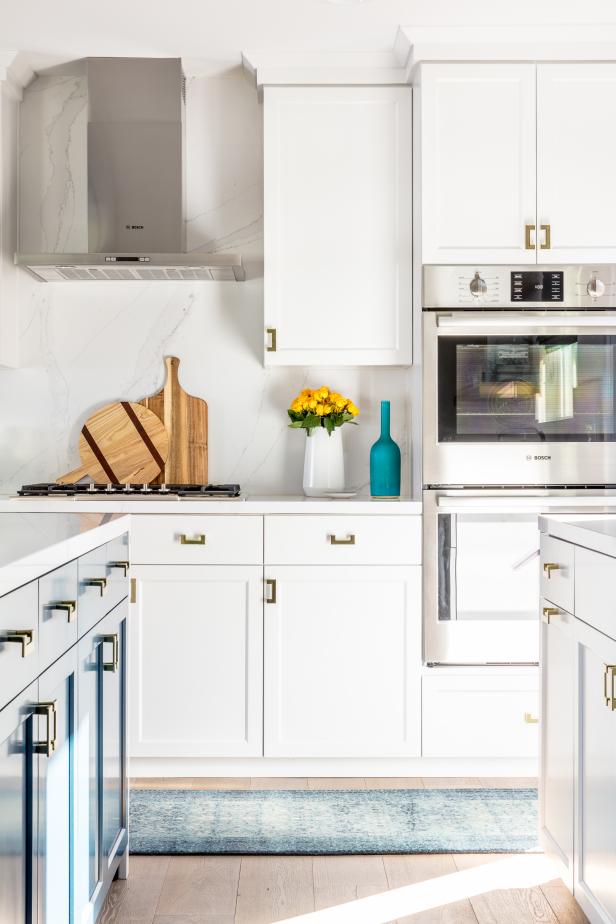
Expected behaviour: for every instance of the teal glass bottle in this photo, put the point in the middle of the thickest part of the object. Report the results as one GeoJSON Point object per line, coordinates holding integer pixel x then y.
{"type": "Point", "coordinates": [385, 460]}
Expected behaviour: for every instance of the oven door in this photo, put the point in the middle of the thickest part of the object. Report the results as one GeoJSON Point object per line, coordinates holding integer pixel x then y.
{"type": "Point", "coordinates": [518, 398]}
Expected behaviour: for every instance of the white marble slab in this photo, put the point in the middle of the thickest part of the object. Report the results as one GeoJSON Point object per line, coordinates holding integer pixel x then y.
{"type": "Point", "coordinates": [31, 544]}
{"type": "Point", "coordinates": [596, 531]}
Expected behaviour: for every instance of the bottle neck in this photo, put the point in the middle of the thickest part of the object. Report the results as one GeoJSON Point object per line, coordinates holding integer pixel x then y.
{"type": "Point", "coordinates": [385, 418]}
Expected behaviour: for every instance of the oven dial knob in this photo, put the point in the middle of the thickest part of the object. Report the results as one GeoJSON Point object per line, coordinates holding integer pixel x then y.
{"type": "Point", "coordinates": [478, 286]}
{"type": "Point", "coordinates": [595, 287]}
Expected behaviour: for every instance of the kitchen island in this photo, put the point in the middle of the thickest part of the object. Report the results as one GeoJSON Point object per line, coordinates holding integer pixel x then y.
{"type": "Point", "coordinates": [63, 618]}
{"type": "Point", "coordinates": [578, 740]}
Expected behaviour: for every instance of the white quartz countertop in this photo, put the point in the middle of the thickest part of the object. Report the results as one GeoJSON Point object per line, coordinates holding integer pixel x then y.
{"type": "Point", "coordinates": [247, 504]}
{"type": "Point", "coordinates": [593, 531]}
{"type": "Point", "coordinates": [31, 544]}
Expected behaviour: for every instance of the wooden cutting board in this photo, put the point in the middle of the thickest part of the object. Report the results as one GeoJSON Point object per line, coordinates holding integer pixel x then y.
{"type": "Point", "coordinates": [185, 420]}
{"type": "Point", "coordinates": [120, 443]}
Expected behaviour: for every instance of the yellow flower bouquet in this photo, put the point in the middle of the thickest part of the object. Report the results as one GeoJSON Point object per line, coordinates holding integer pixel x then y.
{"type": "Point", "coordinates": [321, 408]}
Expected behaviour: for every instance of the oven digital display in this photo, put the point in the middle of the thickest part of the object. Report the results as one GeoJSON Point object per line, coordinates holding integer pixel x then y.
{"type": "Point", "coordinates": [537, 286]}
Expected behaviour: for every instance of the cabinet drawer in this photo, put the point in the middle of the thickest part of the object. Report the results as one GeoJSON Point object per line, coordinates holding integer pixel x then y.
{"type": "Point", "coordinates": [343, 540]}
{"type": "Point", "coordinates": [479, 716]}
{"type": "Point", "coordinates": [102, 584]}
{"type": "Point", "coordinates": [58, 600]}
{"type": "Point", "coordinates": [197, 540]}
{"type": "Point", "coordinates": [19, 641]}
{"type": "Point", "coordinates": [557, 572]}
{"type": "Point", "coordinates": [594, 590]}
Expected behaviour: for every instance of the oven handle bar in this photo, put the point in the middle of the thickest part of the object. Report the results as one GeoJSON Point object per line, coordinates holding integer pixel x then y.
{"type": "Point", "coordinates": [526, 321]}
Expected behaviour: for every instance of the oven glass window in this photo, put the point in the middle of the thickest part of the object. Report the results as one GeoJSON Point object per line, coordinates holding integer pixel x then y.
{"type": "Point", "coordinates": [527, 389]}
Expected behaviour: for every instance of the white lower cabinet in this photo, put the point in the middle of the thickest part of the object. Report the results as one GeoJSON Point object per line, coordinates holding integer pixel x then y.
{"type": "Point", "coordinates": [342, 661]}
{"type": "Point", "coordinates": [557, 735]}
{"type": "Point", "coordinates": [595, 875]}
{"type": "Point", "coordinates": [197, 672]}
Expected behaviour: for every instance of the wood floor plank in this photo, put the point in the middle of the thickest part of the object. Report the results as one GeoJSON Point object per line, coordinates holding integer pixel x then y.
{"type": "Point", "coordinates": [274, 888]}
{"type": "Point", "coordinates": [336, 782]}
{"type": "Point", "coordinates": [194, 919]}
{"type": "Point", "coordinates": [506, 906]}
{"type": "Point", "coordinates": [136, 898]}
{"type": "Point", "coordinates": [340, 879]}
{"type": "Point", "coordinates": [279, 782]}
{"type": "Point", "coordinates": [563, 903]}
{"type": "Point", "coordinates": [404, 870]}
{"type": "Point", "coordinates": [200, 885]}
{"type": "Point", "coordinates": [394, 782]}
{"type": "Point", "coordinates": [220, 782]}
{"type": "Point", "coordinates": [509, 782]}
{"type": "Point", "coordinates": [451, 782]}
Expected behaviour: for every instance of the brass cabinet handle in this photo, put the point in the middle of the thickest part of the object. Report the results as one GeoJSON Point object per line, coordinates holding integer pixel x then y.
{"type": "Point", "coordinates": [198, 540]}
{"type": "Point", "coordinates": [66, 606]}
{"type": "Point", "coordinates": [124, 565]}
{"type": "Point", "coordinates": [272, 345]}
{"type": "Point", "coordinates": [114, 640]}
{"type": "Point", "coordinates": [350, 540]}
{"type": "Point", "coordinates": [48, 746]}
{"type": "Point", "coordinates": [23, 637]}
{"type": "Point", "coordinates": [133, 590]}
{"type": "Point", "coordinates": [550, 566]}
{"type": "Point", "coordinates": [610, 697]}
{"type": "Point", "coordinates": [528, 231]}
{"type": "Point", "coordinates": [271, 586]}
{"type": "Point", "coordinates": [530, 719]}
{"type": "Point", "coordinates": [548, 612]}
{"type": "Point", "coordinates": [547, 243]}
{"type": "Point", "coordinates": [101, 583]}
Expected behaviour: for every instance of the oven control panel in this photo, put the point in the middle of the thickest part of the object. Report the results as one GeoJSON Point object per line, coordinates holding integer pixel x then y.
{"type": "Point", "coordinates": [537, 286]}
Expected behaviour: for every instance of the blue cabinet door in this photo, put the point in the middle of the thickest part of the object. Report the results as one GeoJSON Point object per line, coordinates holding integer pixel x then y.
{"type": "Point", "coordinates": [101, 795]}
{"type": "Point", "coordinates": [18, 810]}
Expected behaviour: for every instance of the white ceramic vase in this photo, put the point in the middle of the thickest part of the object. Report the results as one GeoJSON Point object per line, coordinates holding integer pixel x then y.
{"type": "Point", "coordinates": [323, 463]}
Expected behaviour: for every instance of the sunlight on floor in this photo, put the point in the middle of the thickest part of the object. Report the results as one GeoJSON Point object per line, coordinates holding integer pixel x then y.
{"type": "Point", "coordinates": [520, 872]}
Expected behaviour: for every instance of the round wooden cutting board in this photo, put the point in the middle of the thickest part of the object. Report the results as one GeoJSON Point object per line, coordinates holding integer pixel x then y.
{"type": "Point", "coordinates": [121, 443]}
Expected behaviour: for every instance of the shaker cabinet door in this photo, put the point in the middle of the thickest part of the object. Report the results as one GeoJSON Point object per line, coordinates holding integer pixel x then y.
{"type": "Point", "coordinates": [576, 134]}
{"type": "Point", "coordinates": [196, 683]}
{"type": "Point", "coordinates": [478, 163]}
{"type": "Point", "coordinates": [342, 661]}
{"type": "Point", "coordinates": [338, 219]}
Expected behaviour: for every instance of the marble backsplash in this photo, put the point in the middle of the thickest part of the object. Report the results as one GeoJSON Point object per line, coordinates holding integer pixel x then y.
{"type": "Point", "coordinates": [85, 344]}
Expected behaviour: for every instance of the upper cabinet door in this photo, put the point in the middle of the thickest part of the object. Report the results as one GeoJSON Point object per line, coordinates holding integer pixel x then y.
{"type": "Point", "coordinates": [576, 132]}
{"type": "Point", "coordinates": [338, 216]}
{"type": "Point", "coordinates": [478, 173]}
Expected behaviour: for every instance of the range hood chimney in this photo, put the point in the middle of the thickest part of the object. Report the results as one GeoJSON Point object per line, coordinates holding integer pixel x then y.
{"type": "Point", "coordinates": [129, 221]}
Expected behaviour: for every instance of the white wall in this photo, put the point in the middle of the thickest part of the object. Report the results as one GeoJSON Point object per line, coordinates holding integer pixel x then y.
{"type": "Point", "coordinates": [84, 344]}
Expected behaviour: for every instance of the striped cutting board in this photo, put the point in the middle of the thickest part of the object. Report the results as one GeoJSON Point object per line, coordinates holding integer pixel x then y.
{"type": "Point", "coordinates": [120, 443]}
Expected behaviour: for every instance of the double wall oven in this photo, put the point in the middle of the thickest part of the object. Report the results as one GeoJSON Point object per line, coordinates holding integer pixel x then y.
{"type": "Point", "coordinates": [519, 417]}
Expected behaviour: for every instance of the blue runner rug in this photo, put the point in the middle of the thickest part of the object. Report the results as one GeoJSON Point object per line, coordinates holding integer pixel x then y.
{"type": "Point", "coordinates": [296, 822]}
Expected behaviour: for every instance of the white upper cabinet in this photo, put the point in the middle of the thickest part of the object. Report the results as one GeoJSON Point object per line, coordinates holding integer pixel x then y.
{"type": "Point", "coordinates": [478, 163]}
{"type": "Point", "coordinates": [576, 132]}
{"type": "Point", "coordinates": [338, 216]}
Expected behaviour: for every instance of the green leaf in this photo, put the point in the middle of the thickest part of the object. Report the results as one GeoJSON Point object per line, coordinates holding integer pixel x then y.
{"type": "Point", "coordinates": [330, 426]}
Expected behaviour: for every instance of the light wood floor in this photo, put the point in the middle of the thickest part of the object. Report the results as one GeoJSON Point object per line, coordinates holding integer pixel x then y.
{"type": "Point", "coordinates": [466, 888]}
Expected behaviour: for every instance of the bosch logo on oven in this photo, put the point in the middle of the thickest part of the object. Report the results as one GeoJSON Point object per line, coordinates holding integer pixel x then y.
{"type": "Point", "coordinates": [538, 458]}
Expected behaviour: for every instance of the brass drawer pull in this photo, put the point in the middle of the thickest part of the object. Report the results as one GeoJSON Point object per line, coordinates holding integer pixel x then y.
{"type": "Point", "coordinates": [550, 566]}
{"type": "Point", "coordinates": [272, 345]}
{"type": "Point", "coordinates": [610, 697]}
{"type": "Point", "coordinates": [547, 243]}
{"type": "Point", "coordinates": [350, 540]}
{"type": "Point", "coordinates": [101, 583]}
{"type": "Point", "coordinates": [528, 231]}
{"type": "Point", "coordinates": [270, 583]}
{"type": "Point", "coordinates": [548, 612]}
{"type": "Point", "coordinates": [23, 637]}
{"type": "Point", "coordinates": [115, 660]}
{"type": "Point", "coordinates": [197, 540]}
{"type": "Point", "coordinates": [530, 719]}
{"type": "Point", "coordinates": [124, 565]}
{"type": "Point", "coordinates": [66, 606]}
{"type": "Point", "coordinates": [48, 746]}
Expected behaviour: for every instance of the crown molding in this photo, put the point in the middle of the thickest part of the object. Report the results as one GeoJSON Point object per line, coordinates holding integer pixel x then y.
{"type": "Point", "coordinates": [15, 72]}
{"type": "Point", "coordinates": [274, 67]}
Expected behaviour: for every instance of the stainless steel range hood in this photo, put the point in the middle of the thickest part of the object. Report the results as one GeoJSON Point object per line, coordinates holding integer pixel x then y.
{"type": "Point", "coordinates": [130, 218]}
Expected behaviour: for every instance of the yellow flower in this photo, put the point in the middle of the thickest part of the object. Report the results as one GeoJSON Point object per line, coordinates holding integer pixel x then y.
{"type": "Point", "coordinates": [306, 393]}
{"type": "Point", "coordinates": [297, 406]}
{"type": "Point", "coordinates": [311, 404]}
{"type": "Point", "coordinates": [352, 409]}
{"type": "Point", "coordinates": [322, 393]}
{"type": "Point", "coordinates": [327, 408]}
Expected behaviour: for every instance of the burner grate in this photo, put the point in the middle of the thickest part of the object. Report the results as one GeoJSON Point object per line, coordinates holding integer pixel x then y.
{"type": "Point", "coordinates": [51, 489]}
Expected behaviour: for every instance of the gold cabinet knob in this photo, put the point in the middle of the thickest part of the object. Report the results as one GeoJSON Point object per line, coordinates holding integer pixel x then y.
{"type": "Point", "coordinates": [550, 566]}
{"type": "Point", "coordinates": [23, 637]}
{"type": "Point", "coordinates": [123, 565]}
{"type": "Point", "coordinates": [547, 241]}
{"type": "Point", "coordinates": [64, 606]}
{"type": "Point", "coordinates": [270, 584]}
{"type": "Point", "coordinates": [609, 684]}
{"type": "Point", "coordinates": [113, 640]}
{"type": "Point", "coordinates": [529, 230]}
{"type": "Point", "coordinates": [48, 746]}
{"type": "Point", "coordinates": [271, 331]}
{"type": "Point", "coordinates": [530, 719]}
{"type": "Point", "coordinates": [350, 540]}
{"type": "Point", "coordinates": [196, 540]}
{"type": "Point", "coordinates": [548, 612]}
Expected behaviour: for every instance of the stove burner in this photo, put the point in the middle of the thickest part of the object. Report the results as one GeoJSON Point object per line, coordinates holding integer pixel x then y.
{"type": "Point", "coordinates": [51, 489]}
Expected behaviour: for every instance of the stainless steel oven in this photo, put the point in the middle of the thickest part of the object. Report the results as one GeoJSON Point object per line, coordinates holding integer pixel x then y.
{"type": "Point", "coordinates": [519, 391]}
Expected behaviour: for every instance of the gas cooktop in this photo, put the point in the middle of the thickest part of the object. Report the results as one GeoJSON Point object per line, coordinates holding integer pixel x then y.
{"type": "Point", "coordinates": [158, 491]}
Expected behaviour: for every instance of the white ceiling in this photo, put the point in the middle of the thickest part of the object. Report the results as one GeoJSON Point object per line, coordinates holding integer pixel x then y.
{"type": "Point", "coordinates": [217, 31]}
